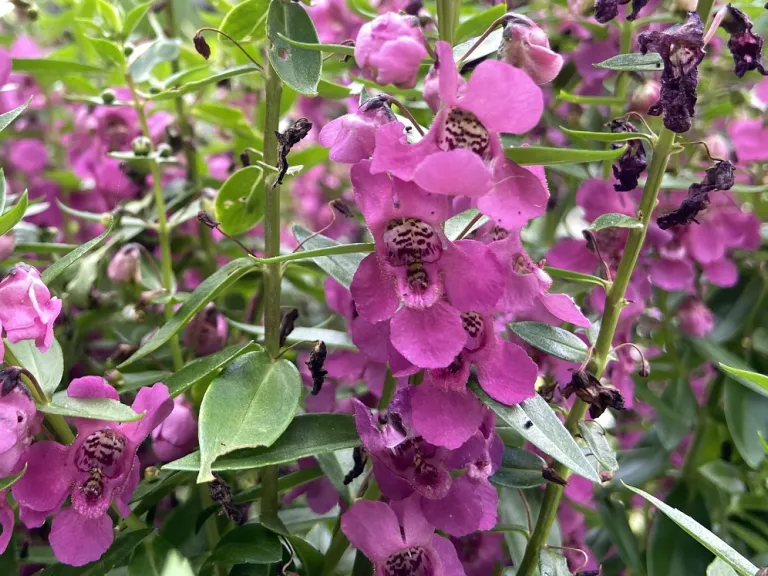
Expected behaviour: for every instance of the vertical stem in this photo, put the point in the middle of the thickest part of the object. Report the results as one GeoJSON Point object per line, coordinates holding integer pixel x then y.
{"type": "Point", "coordinates": [704, 9]}
{"type": "Point", "coordinates": [614, 303]}
{"type": "Point", "coordinates": [447, 19]}
{"type": "Point", "coordinates": [625, 47]}
{"type": "Point", "coordinates": [163, 231]}
{"type": "Point", "coordinates": [271, 272]}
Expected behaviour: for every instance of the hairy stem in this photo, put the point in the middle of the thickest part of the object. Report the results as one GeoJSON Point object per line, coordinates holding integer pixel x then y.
{"type": "Point", "coordinates": [614, 304]}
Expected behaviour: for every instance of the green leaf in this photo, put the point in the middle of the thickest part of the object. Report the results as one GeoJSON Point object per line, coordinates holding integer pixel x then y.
{"type": "Point", "coordinates": [614, 221]}
{"type": "Point", "coordinates": [108, 51]}
{"type": "Point", "coordinates": [614, 518]}
{"type": "Point", "coordinates": [519, 469]}
{"type": "Point", "coordinates": [147, 56]}
{"type": "Point", "coordinates": [479, 23]}
{"type": "Point", "coordinates": [9, 481]}
{"type": "Point", "coordinates": [552, 340]}
{"type": "Point", "coordinates": [591, 100]}
{"type": "Point", "coordinates": [332, 338]}
{"type": "Point", "coordinates": [248, 544]}
{"type": "Point", "coordinates": [243, 19]}
{"type": "Point", "coordinates": [248, 405]}
{"type": "Point", "coordinates": [489, 46]}
{"type": "Point", "coordinates": [53, 67]}
{"type": "Point", "coordinates": [113, 557]}
{"type": "Point", "coordinates": [594, 436]}
{"type": "Point", "coordinates": [196, 85]}
{"type": "Point", "coordinates": [607, 136]}
{"type": "Point", "coordinates": [706, 538]}
{"type": "Point", "coordinates": [535, 421]}
{"type": "Point", "coordinates": [91, 408]}
{"type": "Point", "coordinates": [752, 380]}
{"type": "Point", "coordinates": [53, 271]}
{"type": "Point", "coordinates": [3, 186]}
{"type": "Point", "coordinates": [341, 267]}
{"type": "Point", "coordinates": [457, 224]}
{"type": "Point", "coordinates": [8, 117]}
{"type": "Point", "coordinates": [110, 14]}
{"type": "Point", "coordinates": [574, 276]}
{"type": "Point", "coordinates": [299, 68]}
{"type": "Point", "coordinates": [326, 89]}
{"type": "Point", "coordinates": [202, 368]}
{"type": "Point", "coordinates": [204, 293]}
{"type": "Point", "coordinates": [233, 209]}
{"type": "Point", "coordinates": [157, 557]}
{"type": "Point", "coordinates": [47, 367]}
{"type": "Point", "coordinates": [134, 380]}
{"type": "Point", "coordinates": [726, 477]}
{"type": "Point", "coordinates": [746, 414]}
{"type": "Point", "coordinates": [135, 16]}
{"type": "Point", "coordinates": [553, 563]}
{"type": "Point", "coordinates": [543, 156]}
{"type": "Point", "coordinates": [15, 214]}
{"type": "Point", "coordinates": [307, 435]}
{"type": "Point", "coordinates": [650, 62]}
{"type": "Point", "coordinates": [342, 49]}
{"type": "Point", "coordinates": [720, 568]}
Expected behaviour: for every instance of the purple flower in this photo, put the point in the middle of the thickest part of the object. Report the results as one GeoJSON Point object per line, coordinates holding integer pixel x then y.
{"type": "Point", "coordinates": [7, 520]}
{"type": "Point", "coordinates": [28, 156]}
{"type": "Point", "coordinates": [398, 540]}
{"type": "Point", "coordinates": [525, 45]}
{"type": "Point", "coordinates": [321, 494]}
{"type": "Point", "coordinates": [461, 155]}
{"type": "Point", "coordinates": [695, 318]}
{"type": "Point", "coordinates": [19, 422]}
{"type": "Point", "coordinates": [125, 266]}
{"type": "Point", "coordinates": [100, 466]}
{"type": "Point", "coordinates": [749, 138]}
{"type": "Point", "coordinates": [415, 265]}
{"type": "Point", "coordinates": [207, 332]}
{"type": "Point", "coordinates": [352, 137]}
{"type": "Point", "coordinates": [390, 49]}
{"type": "Point", "coordinates": [176, 436]}
{"type": "Point", "coordinates": [479, 552]}
{"type": "Point", "coordinates": [334, 21]}
{"type": "Point", "coordinates": [27, 311]}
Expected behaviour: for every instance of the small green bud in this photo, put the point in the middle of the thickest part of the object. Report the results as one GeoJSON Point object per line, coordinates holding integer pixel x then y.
{"type": "Point", "coordinates": [108, 96]}
{"type": "Point", "coordinates": [164, 150]}
{"type": "Point", "coordinates": [141, 146]}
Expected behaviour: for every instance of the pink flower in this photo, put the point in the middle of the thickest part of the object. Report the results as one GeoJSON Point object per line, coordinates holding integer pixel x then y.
{"type": "Point", "coordinates": [695, 318]}
{"type": "Point", "coordinates": [416, 266]}
{"type": "Point", "coordinates": [525, 45]}
{"type": "Point", "coordinates": [321, 494]}
{"type": "Point", "coordinates": [7, 521]}
{"type": "Point", "coordinates": [480, 552]}
{"type": "Point", "coordinates": [125, 266]}
{"type": "Point", "coordinates": [750, 139]}
{"type": "Point", "coordinates": [334, 21]}
{"type": "Point", "coordinates": [27, 311]}
{"type": "Point", "coordinates": [397, 539]}
{"type": "Point", "coordinates": [19, 422]}
{"type": "Point", "coordinates": [390, 49]}
{"type": "Point", "coordinates": [7, 245]}
{"type": "Point", "coordinates": [461, 155]}
{"type": "Point", "coordinates": [176, 436]}
{"type": "Point", "coordinates": [352, 137]}
{"type": "Point", "coordinates": [99, 467]}
{"type": "Point", "coordinates": [207, 332]}
{"type": "Point", "coordinates": [28, 155]}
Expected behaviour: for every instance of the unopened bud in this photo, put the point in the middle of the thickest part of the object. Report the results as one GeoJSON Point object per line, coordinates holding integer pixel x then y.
{"type": "Point", "coordinates": [114, 378]}
{"type": "Point", "coordinates": [141, 146]}
{"type": "Point", "coordinates": [108, 96]}
{"type": "Point", "coordinates": [125, 266]}
{"type": "Point", "coordinates": [245, 159]}
{"type": "Point", "coordinates": [151, 474]}
{"type": "Point", "coordinates": [645, 96]}
{"type": "Point", "coordinates": [164, 150]}
{"type": "Point", "coordinates": [202, 46]}
{"type": "Point", "coordinates": [524, 45]}
{"type": "Point", "coordinates": [645, 368]}
{"type": "Point", "coordinates": [606, 476]}
{"type": "Point", "coordinates": [550, 475]}
{"type": "Point", "coordinates": [128, 49]}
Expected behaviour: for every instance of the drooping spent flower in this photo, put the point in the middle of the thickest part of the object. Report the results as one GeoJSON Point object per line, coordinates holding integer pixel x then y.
{"type": "Point", "coordinates": [315, 364]}
{"type": "Point", "coordinates": [390, 49]}
{"type": "Point", "coordinates": [525, 45]}
{"type": "Point", "coordinates": [27, 310]}
{"type": "Point", "coordinates": [682, 49]}
{"type": "Point", "coordinates": [590, 390]}
{"type": "Point", "coordinates": [352, 137]}
{"type": "Point", "coordinates": [632, 162]}
{"type": "Point", "coordinates": [125, 266]}
{"type": "Point", "coordinates": [718, 177]}
{"type": "Point", "coordinates": [100, 466]}
{"type": "Point", "coordinates": [746, 47]}
{"type": "Point", "coordinates": [607, 10]}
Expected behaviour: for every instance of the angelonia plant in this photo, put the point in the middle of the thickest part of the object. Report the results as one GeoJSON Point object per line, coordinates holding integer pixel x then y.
{"type": "Point", "coordinates": [383, 287]}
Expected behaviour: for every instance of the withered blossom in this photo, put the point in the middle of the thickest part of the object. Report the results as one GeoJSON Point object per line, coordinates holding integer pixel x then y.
{"type": "Point", "coordinates": [746, 47]}
{"type": "Point", "coordinates": [315, 364]}
{"type": "Point", "coordinates": [681, 47]}
{"type": "Point", "coordinates": [632, 162]}
{"type": "Point", "coordinates": [607, 10]}
{"type": "Point", "coordinates": [359, 459]}
{"type": "Point", "coordinates": [717, 177]}
{"type": "Point", "coordinates": [590, 390]}
{"type": "Point", "coordinates": [287, 140]}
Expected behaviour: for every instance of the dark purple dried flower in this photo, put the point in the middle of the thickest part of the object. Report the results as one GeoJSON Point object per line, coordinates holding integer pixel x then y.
{"type": "Point", "coordinates": [632, 162]}
{"type": "Point", "coordinates": [746, 47]}
{"type": "Point", "coordinates": [201, 46]}
{"type": "Point", "coordinates": [287, 140]}
{"type": "Point", "coordinates": [606, 10]}
{"type": "Point", "coordinates": [718, 177]}
{"type": "Point", "coordinates": [590, 390]}
{"type": "Point", "coordinates": [315, 364]}
{"type": "Point", "coordinates": [682, 49]}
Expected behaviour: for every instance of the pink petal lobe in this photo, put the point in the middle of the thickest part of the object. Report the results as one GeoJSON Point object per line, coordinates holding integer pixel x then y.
{"type": "Point", "coordinates": [429, 338]}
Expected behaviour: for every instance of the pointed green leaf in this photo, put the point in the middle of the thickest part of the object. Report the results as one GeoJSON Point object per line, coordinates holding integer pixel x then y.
{"type": "Point", "coordinates": [248, 405]}
{"type": "Point", "coordinates": [543, 156]}
{"type": "Point", "coordinates": [594, 436]}
{"type": "Point", "coordinates": [307, 435]}
{"type": "Point", "coordinates": [746, 414]}
{"type": "Point", "coordinates": [750, 379]}
{"type": "Point", "coordinates": [332, 338]}
{"type": "Point", "coordinates": [298, 67]}
{"type": "Point", "coordinates": [91, 408]}
{"type": "Point", "coordinates": [53, 67]}
{"type": "Point", "coordinates": [15, 214]}
{"type": "Point", "coordinates": [108, 51]}
{"type": "Point", "coordinates": [240, 201]}
{"type": "Point", "coordinates": [243, 19]}
{"type": "Point", "coordinates": [8, 117]}
{"type": "Point", "coordinates": [575, 276]}
{"type": "Point", "coordinates": [9, 481]}
{"type": "Point", "coordinates": [194, 86]}
{"type": "Point", "coordinates": [248, 544]}
{"type": "Point", "coordinates": [47, 367]}
{"type": "Point", "coordinates": [202, 368]}
{"type": "Point", "coordinates": [342, 267]}
{"type": "Point", "coordinates": [326, 89]}
{"type": "Point", "coordinates": [110, 14]}
{"type": "Point", "coordinates": [3, 186]}
{"type": "Point", "coordinates": [157, 557]}
{"type": "Point", "coordinates": [134, 17]}
{"type": "Point", "coordinates": [342, 49]}
{"type": "Point", "coordinates": [706, 538]}
{"type": "Point", "coordinates": [614, 221]}
{"type": "Point", "coordinates": [53, 271]}
{"type": "Point", "coordinates": [489, 46]}
{"type": "Point", "coordinates": [607, 136]}
{"type": "Point", "coordinates": [552, 340]}
{"type": "Point", "coordinates": [614, 518]}
{"type": "Point", "coordinates": [650, 62]}
{"type": "Point", "coordinates": [720, 568]}
{"type": "Point", "coordinates": [147, 56]}
{"type": "Point", "coordinates": [535, 421]}
{"type": "Point", "coordinates": [519, 469]}
{"type": "Point", "coordinates": [204, 293]}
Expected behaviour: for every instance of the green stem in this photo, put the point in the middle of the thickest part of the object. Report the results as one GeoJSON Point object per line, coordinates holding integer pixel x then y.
{"type": "Point", "coordinates": [614, 303]}
{"type": "Point", "coordinates": [269, 490]}
{"type": "Point", "coordinates": [620, 93]}
{"type": "Point", "coordinates": [390, 387]}
{"type": "Point", "coordinates": [308, 254]}
{"type": "Point", "coordinates": [704, 9]}
{"type": "Point", "coordinates": [447, 19]}
{"type": "Point", "coordinates": [163, 231]}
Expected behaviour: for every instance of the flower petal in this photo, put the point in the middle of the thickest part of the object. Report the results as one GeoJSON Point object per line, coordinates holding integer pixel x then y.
{"type": "Point", "coordinates": [450, 559]}
{"type": "Point", "coordinates": [457, 172]}
{"type": "Point", "coordinates": [157, 405]}
{"type": "Point", "coordinates": [506, 372]}
{"type": "Point", "coordinates": [429, 338]}
{"type": "Point", "coordinates": [373, 290]}
{"type": "Point", "coordinates": [372, 527]}
{"type": "Point", "coordinates": [77, 540]}
{"type": "Point", "coordinates": [448, 75]}
{"type": "Point", "coordinates": [723, 273]}
{"type": "Point", "coordinates": [516, 197]}
{"type": "Point", "coordinates": [443, 416]}
{"type": "Point", "coordinates": [459, 513]}
{"type": "Point", "coordinates": [91, 387]}
{"type": "Point", "coordinates": [477, 292]}
{"type": "Point", "coordinates": [393, 153]}
{"type": "Point", "coordinates": [46, 483]}
{"type": "Point", "coordinates": [563, 307]}
{"type": "Point", "coordinates": [416, 530]}
{"type": "Point", "coordinates": [672, 275]}
{"type": "Point", "coordinates": [6, 522]}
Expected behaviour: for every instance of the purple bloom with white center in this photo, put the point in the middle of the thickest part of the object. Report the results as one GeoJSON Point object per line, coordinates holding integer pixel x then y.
{"type": "Point", "coordinates": [416, 277]}
{"type": "Point", "coordinates": [100, 466]}
{"type": "Point", "coordinates": [398, 540]}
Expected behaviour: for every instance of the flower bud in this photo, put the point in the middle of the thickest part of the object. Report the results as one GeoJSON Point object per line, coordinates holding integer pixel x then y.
{"type": "Point", "coordinates": [207, 332]}
{"type": "Point", "coordinates": [202, 46]}
{"type": "Point", "coordinates": [176, 436]}
{"type": "Point", "coordinates": [151, 474]}
{"type": "Point", "coordinates": [108, 96]}
{"type": "Point", "coordinates": [7, 244]}
{"type": "Point", "coordinates": [718, 146]}
{"type": "Point", "coordinates": [141, 146]}
{"type": "Point", "coordinates": [164, 150]}
{"type": "Point", "coordinates": [128, 49]}
{"type": "Point", "coordinates": [525, 45]}
{"type": "Point", "coordinates": [645, 96]}
{"type": "Point", "coordinates": [125, 266]}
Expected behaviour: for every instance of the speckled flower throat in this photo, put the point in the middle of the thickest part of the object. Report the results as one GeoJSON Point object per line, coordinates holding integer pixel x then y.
{"type": "Point", "coordinates": [463, 130]}
{"type": "Point", "coordinates": [410, 562]}
{"type": "Point", "coordinates": [99, 457]}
